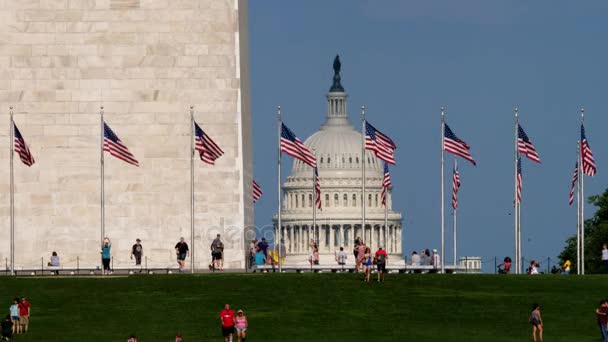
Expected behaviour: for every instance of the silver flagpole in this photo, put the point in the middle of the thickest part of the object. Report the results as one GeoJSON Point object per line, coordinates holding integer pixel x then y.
{"type": "Point", "coordinates": [314, 206]}
{"type": "Point", "coordinates": [442, 192]}
{"type": "Point", "coordinates": [278, 235]}
{"type": "Point", "coordinates": [363, 173]}
{"type": "Point", "coordinates": [12, 190]}
{"type": "Point", "coordinates": [578, 208]}
{"type": "Point", "coordinates": [102, 199]}
{"type": "Point", "coordinates": [582, 202]}
{"type": "Point", "coordinates": [515, 201]}
{"type": "Point", "coordinates": [384, 242]}
{"type": "Point", "coordinates": [455, 212]}
{"type": "Point", "coordinates": [192, 189]}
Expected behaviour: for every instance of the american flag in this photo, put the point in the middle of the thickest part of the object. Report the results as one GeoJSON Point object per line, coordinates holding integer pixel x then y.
{"type": "Point", "coordinates": [317, 189]}
{"type": "Point", "coordinates": [454, 145]}
{"type": "Point", "coordinates": [112, 144]}
{"type": "Point", "coordinates": [382, 145]}
{"type": "Point", "coordinates": [519, 180]}
{"type": "Point", "coordinates": [588, 166]}
{"type": "Point", "coordinates": [455, 187]}
{"type": "Point", "coordinates": [524, 145]}
{"type": "Point", "coordinates": [207, 148]}
{"type": "Point", "coordinates": [21, 148]}
{"type": "Point", "coordinates": [291, 145]}
{"type": "Point", "coordinates": [574, 179]}
{"type": "Point", "coordinates": [386, 184]}
{"type": "Point", "coordinates": [257, 191]}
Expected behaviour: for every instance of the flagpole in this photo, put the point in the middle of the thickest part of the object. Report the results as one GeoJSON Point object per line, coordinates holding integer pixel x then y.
{"type": "Point", "coordinates": [102, 199]}
{"type": "Point", "coordinates": [192, 189]}
{"type": "Point", "coordinates": [385, 220]}
{"type": "Point", "coordinates": [578, 209]}
{"type": "Point", "coordinates": [455, 212]}
{"type": "Point", "coordinates": [582, 223]}
{"type": "Point", "coordinates": [278, 235]}
{"type": "Point", "coordinates": [314, 205]}
{"type": "Point", "coordinates": [363, 173]}
{"type": "Point", "coordinates": [516, 202]}
{"type": "Point", "coordinates": [12, 190]}
{"type": "Point", "coordinates": [442, 191]}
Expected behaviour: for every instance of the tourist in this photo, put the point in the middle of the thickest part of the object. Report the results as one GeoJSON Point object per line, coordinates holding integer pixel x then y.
{"type": "Point", "coordinates": [7, 328]}
{"type": "Point", "coordinates": [241, 326]}
{"type": "Point", "coordinates": [132, 338]}
{"type": "Point", "coordinates": [217, 250]}
{"type": "Point", "coordinates": [24, 314]}
{"type": "Point", "coordinates": [533, 269]}
{"type": "Point", "coordinates": [260, 259]}
{"type": "Point", "coordinates": [567, 267]}
{"type": "Point", "coordinates": [182, 251]}
{"type": "Point", "coordinates": [315, 256]}
{"type": "Point", "coordinates": [436, 260]}
{"type": "Point", "coordinates": [263, 246]}
{"type": "Point", "coordinates": [106, 256]}
{"type": "Point", "coordinates": [360, 254]}
{"type": "Point", "coordinates": [537, 322]}
{"type": "Point", "coordinates": [366, 261]}
{"type": "Point", "coordinates": [252, 250]}
{"type": "Point", "coordinates": [605, 257]}
{"type": "Point", "coordinates": [227, 318]}
{"type": "Point", "coordinates": [54, 260]}
{"type": "Point", "coordinates": [14, 310]}
{"type": "Point", "coordinates": [602, 319]}
{"type": "Point", "coordinates": [311, 244]}
{"type": "Point", "coordinates": [137, 251]}
{"type": "Point", "coordinates": [381, 259]}
{"type": "Point", "coordinates": [178, 337]}
{"type": "Point", "coordinates": [356, 247]}
{"type": "Point", "coordinates": [505, 266]}
{"type": "Point", "coordinates": [425, 259]}
{"type": "Point", "coordinates": [341, 258]}
{"type": "Point", "coordinates": [415, 259]}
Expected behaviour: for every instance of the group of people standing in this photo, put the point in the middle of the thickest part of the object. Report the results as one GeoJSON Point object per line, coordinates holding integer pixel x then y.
{"type": "Point", "coordinates": [425, 258]}
{"type": "Point", "coordinates": [18, 319]}
{"type": "Point", "coordinates": [365, 260]}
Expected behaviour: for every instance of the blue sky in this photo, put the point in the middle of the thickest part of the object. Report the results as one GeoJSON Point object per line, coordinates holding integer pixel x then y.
{"type": "Point", "coordinates": [404, 60]}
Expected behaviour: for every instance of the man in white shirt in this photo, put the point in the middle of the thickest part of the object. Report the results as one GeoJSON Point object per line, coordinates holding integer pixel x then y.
{"type": "Point", "coordinates": [436, 261]}
{"type": "Point", "coordinates": [605, 257]}
{"type": "Point", "coordinates": [341, 257]}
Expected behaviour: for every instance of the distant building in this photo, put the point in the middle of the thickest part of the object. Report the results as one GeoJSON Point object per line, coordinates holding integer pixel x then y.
{"type": "Point", "coordinates": [337, 146]}
{"type": "Point", "coordinates": [470, 264]}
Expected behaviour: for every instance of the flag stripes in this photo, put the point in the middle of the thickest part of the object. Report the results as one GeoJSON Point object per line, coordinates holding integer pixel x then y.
{"type": "Point", "coordinates": [113, 145]}
{"type": "Point", "coordinates": [386, 184]}
{"type": "Point", "coordinates": [208, 150]}
{"type": "Point", "coordinates": [519, 180]}
{"type": "Point", "coordinates": [291, 145]}
{"type": "Point", "coordinates": [257, 191]}
{"type": "Point", "coordinates": [317, 189]}
{"type": "Point", "coordinates": [21, 148]}
{"type": "Point", "coordinates": [455, 187]}
{"type": "Point", "coordinates": [574, 180]}
{"type": "Point", "coordinates": [454, 145]}
{"type": "Point", "coordinates": [525, 146]}
{"type": "Point", "coordinates": [381, 144]}
{"type": "Point", "coordinates": [588, 166]}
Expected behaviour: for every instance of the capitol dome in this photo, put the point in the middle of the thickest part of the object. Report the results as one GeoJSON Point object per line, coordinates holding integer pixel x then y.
{"type": "Point", "coordinates": [338, 149]}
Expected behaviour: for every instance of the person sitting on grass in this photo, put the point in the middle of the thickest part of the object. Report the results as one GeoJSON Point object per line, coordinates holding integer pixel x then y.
{"type": "Point", "coordinates": [367, 264]}
{"type": "Point", "coordinates": [537, 322]}
{"type": "Point", "coordinates": [241, 326]}
{"type": "Point", "coordinates": [7, 328]}
{"type": "Point", "coordinates": [14, 309]}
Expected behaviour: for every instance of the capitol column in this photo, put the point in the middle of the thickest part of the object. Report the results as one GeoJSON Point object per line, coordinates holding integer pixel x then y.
{"type": "Point", "coordinates": [342, 242]}
{"type": "Point", "coordinates": [332, 237]}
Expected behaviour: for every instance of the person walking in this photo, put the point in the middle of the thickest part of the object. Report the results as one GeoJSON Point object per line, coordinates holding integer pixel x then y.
{"type": "Point", "coordinates": [217, 251]}
{"type": "Point", "coordinates": [341, 258]}
{"type": "Point", "coordinates": [227, 318]}
{"type": "Point", "coordinates": [241, 325]}
{"type": "Point", "coordinates": [605, 257]}
{"type": "Point", "coordinates": [14, 310]}
{"type": "Point", "coordinates": [366, 261]}
{"type": "Point", "coordinates": [602, 319]}
{"type": "Point", "coordinates": [381, 260]}
{"type": "Point", "coordinates": [360, 254]}
{"type": "Point", "coordinates": [106, 255]}
{"type": "Point", "coordinates": [182, 251]}
{"type": "Point", "coordinates": [537, 322]}
{"type": "Point", "coordinates": [137, 251]}
{"type": "Point", "coordinates": [24, 314]}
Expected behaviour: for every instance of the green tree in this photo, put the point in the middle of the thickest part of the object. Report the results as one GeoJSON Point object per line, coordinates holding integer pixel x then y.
{"type": "Point", "coordinates": [596, 234]}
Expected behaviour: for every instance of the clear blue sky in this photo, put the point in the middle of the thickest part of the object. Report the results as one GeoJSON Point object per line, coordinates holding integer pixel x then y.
{"type": "Point", "coordinates": [403, 60]}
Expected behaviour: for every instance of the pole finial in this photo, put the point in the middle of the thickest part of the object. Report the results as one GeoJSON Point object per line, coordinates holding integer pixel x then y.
{"type": "Point", "coordinates": [101, 107]}
{"type": "Point", "coordinates": [362, 113]}
{"type": "Point", "coordinates": [11, 107]}
{"type": "Point", "coordinates": [191, 107]}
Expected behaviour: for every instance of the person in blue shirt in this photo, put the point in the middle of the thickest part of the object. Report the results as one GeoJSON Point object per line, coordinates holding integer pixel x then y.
{"type": "Point", "coordinates": [260, 258]}
{"type": "Point", "coordinates": [106, 256]}
{"type": "Point", "coordinates": [14, 309]}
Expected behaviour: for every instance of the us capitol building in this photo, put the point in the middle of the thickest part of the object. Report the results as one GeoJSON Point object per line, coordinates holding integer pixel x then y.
{"type": "Point", "coordinates": [337, 147]}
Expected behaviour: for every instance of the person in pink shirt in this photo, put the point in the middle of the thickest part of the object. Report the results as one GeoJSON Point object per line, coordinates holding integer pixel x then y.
{"type": "Point", "coordinates": [360, 255]}
{"type": "Point", "coordinates": [241, 326]}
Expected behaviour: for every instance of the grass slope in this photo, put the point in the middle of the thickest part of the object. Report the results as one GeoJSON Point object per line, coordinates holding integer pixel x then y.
{"type": "Point", "coordinates": [309, 307]}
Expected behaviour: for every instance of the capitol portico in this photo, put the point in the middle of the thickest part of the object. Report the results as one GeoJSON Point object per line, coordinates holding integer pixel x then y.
{"type": "Point", "coordinates": [338, 149]}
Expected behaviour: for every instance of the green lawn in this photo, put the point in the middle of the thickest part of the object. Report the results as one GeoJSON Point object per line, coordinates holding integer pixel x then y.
{"type": "Point", "coordinates": [310, 307]}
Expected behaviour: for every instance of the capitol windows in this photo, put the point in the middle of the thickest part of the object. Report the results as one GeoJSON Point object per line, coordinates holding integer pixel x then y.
{"type": "Point", "coordinates": [357, 160]}
{"type": "Point", "coordinates": [376, 200]}
{"type": "Point", "coordinates": [304, 202]}
{"type": "Point", "coordinates": [328, 160]}
{"type": "Point", "coordinates": [321, 160]}
{"type": "Point", "coordinates": [343, 160]}
{"type": "Point", "coordinates": [327, 200]}
{"type": "Point", "coordinates": [336, 203]}
{"type": "Point", "coordinates": [350, 160]}
{"type": "Point", "coordinates": [354, 200]}
{"type": "Point", "coordinates": [369, 200]}
{"type": "Point", "coordinates": [296, 201]}
{"type": "Point", "coordinates": [345, 200]}
{"type": "Point", "coordinates": [310, 200]}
